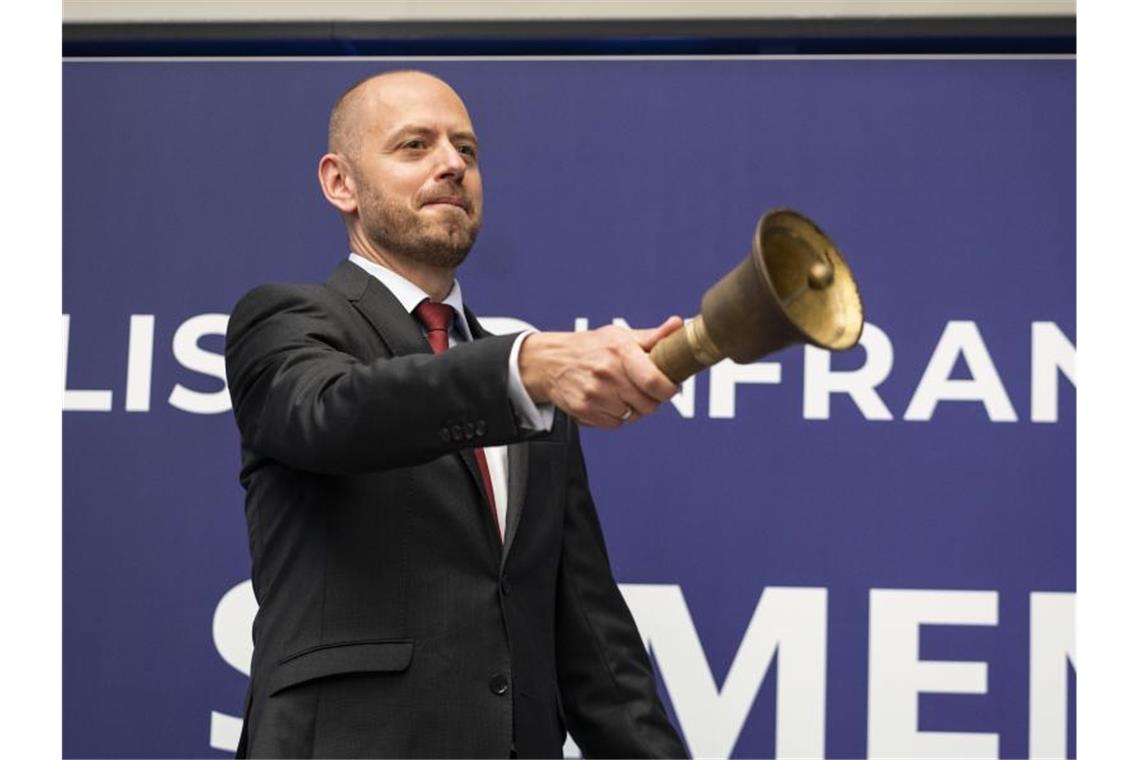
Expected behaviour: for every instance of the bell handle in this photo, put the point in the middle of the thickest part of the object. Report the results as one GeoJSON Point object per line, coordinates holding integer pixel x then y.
{"type": "Point", "coordinates": [686, 352]}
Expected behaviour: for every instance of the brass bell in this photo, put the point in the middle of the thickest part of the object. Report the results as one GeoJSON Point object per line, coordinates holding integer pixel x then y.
{"type": "Point", "coordinates": [794, 287]}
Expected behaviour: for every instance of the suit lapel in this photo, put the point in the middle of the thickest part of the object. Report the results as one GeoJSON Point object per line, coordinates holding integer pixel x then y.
{"type": "Point", "coordinates": [400, 332]}
{"type": "Point", "coordinates": [396, 327]}
{"type": "Point", "coordinates": [517, 469]}
{"type": "Point", "coordinates": [518, 464]}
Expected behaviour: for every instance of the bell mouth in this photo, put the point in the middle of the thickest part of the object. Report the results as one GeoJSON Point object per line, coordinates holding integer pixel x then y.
{"type": "Point", "coordinates": [811, 281]}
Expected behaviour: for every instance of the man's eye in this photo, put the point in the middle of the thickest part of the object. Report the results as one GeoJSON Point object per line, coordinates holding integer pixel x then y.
{"type": "Point", "coordinates": [467, 150]}
{"type": "Point", "coordinates": [414, 145]}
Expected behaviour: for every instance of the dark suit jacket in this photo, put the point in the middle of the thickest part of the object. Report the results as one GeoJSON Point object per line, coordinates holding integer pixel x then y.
{"type": "Point", "coordinates": [392, 621]}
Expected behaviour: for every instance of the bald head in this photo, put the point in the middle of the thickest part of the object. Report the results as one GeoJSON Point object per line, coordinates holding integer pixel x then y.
{"type": "Point", "coordinates": [403, 171]}
{"type": "Point", "coordinates": [363, 103]}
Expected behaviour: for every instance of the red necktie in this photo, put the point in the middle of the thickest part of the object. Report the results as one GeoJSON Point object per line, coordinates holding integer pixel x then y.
{"type": "Point", "coordinates": [436, 318]}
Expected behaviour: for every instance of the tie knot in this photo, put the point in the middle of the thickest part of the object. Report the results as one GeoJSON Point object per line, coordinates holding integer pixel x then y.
{"type": "Point", "coordinates": [435, 316]}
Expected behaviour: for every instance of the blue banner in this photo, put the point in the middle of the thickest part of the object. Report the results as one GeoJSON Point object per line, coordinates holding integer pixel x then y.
{"type": "Point", "coordinates": [869, 553]}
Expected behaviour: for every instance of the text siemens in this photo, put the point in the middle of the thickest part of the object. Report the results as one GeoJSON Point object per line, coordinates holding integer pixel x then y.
{"type": "Point", "coordinates": [788, 632]}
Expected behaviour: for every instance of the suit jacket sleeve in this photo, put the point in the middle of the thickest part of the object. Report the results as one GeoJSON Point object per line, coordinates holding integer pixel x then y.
{"type": "Point", "coordinates": [606, 682]}
{"type": "Point", "coordinates": [309, 392]}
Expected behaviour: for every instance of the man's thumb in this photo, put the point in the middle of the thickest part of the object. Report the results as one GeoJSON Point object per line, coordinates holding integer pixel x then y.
{"type": "Point", "coordinates": [647, 338]}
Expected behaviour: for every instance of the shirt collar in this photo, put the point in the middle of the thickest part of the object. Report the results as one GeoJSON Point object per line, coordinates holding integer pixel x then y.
{"type": "Point", "coordinates": [410, 295]}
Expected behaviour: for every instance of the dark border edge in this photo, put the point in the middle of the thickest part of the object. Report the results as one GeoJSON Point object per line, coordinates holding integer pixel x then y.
{"type": "Point", "coordinates": [848, 36]}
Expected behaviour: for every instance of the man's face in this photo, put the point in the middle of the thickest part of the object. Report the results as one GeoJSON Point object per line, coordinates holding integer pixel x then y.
{"type": "Point", "coordinates": [419, 193]}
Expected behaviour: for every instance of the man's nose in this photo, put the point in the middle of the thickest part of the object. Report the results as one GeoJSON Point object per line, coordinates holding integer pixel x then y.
{"type": "Point", "coordinates": [451, 163]}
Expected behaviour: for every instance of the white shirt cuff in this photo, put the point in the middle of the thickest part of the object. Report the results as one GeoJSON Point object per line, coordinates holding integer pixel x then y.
{"type": "Point", "coordinates": [529, 415]}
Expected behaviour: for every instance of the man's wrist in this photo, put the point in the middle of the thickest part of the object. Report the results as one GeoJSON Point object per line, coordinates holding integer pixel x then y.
{"type": "Point", "coordinates": [533, 364]}
{"type": "Point", "coordinates": [530, 414]}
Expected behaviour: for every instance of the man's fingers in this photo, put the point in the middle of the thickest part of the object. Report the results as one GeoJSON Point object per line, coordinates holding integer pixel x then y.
{"type": "Point", "coordinates": [611, 421]}
{"type": "Point", "coordinates": [638, 402]}
{"type": "Point", "coordinates": [647, 338]}
{"type": "Point", "coordinates": [603, 420]}
{"type": "Point", "coordinates": [647, 378]}
{"type": "Point", "coordinates": [627, 406]}
{"type": "Point", "coordinates": [640, 369]}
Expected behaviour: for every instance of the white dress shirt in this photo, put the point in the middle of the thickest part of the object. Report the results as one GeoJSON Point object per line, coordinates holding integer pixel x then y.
{"type": "Point", "coordinates": [529, 415]}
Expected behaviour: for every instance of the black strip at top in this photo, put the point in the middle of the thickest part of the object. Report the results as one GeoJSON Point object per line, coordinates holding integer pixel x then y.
{"type": "Point", "coordinates": [851, 36]}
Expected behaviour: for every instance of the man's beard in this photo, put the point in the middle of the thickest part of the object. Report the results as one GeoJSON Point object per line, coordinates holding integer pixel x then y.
{"type": "Point", "coordinates": [401, 231]}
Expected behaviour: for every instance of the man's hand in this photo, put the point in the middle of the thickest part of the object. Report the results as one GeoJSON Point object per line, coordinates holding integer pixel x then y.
{"type": "Point", "coordinates": [601, 377]}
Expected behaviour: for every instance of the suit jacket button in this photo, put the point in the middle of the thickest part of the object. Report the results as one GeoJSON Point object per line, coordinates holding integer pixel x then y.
{"type": "Point", "coordinates": [505, 586]}
{"type": "Point", "coordinates": [445, 434]}
{"type": "Point", "coordinates": [480, 427]}
{"type": "Point", "coordinates": [469, 431]}
{"type": "Point", "coordinates": [499, 684]}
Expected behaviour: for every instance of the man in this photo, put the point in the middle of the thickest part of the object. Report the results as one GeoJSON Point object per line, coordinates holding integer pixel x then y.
{"type": "Point", "coordinates": [429, 566]}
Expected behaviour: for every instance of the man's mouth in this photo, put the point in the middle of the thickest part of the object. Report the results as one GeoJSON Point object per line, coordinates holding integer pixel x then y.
{"type": "Point", "coordinates": [448, 200]}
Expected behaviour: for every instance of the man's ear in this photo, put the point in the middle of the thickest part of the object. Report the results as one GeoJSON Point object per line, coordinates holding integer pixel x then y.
{"type": "Point", "coordinates": [336, 182]}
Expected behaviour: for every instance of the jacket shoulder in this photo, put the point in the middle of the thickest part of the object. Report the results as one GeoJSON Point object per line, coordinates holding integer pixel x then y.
{"type": "Point", "coordinates": [285, 298]}
{"type": "Point", "coordinates": [286, 293]}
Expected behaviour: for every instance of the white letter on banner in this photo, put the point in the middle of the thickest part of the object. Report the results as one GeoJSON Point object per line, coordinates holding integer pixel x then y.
{"type": "Point", "coordinates": [723, 379]}
{"type": "Point", "coordinates": [191, 356]}
{"type": "Point", "coordinates": [985, 385]}
{"type": "Point", "coordinates": [140, 362]}
{"type": "Point", "coordinates": [504, 325]}
{"type": "Point", "coordinates": [820, 382]}
{"type": "Point", "coordinates": [1051, 351]}
{"type": "Point", "coordinates": [80, 400]}
{"type": "Point", "coordinates": [684, 402]}
{"type": "Point", "coordinates": [896, 675]}
{"type": "Point", "coordinates": [233, 622]}
{"type": "Point", "coordinates": [792, 621]}
{"type": "Point", "coordinates": [1052, 646]}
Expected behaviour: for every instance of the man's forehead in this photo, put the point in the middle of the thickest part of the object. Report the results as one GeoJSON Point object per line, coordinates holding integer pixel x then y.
{"type": "Point", "coordinates": [394, 100]}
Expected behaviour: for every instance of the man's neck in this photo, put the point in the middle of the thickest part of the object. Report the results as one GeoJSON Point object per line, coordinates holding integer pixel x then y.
{"type": "Point", "coordinates": [435, 281]}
